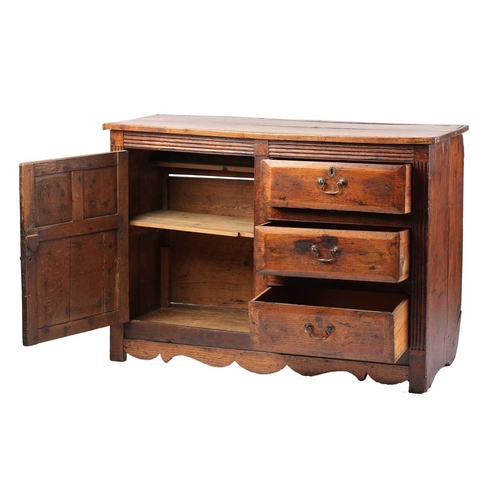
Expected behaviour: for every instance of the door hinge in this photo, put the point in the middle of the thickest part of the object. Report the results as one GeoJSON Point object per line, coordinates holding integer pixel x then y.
{"type": "Point", "coordinates": [32, 242]}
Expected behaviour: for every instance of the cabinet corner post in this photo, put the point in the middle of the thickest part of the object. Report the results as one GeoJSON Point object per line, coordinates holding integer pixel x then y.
{"type": "Point", "coordinates": [116, 140]}
{"type": "Point", "coordinates": [117, 350]}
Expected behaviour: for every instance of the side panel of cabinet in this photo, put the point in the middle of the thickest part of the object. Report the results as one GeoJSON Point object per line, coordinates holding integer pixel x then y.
{"type": "Point", "coordinates": [74, 245]}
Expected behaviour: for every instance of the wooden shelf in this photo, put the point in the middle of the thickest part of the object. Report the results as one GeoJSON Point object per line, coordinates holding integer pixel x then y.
{"type": "Point", "coordinates": [196, 223]}
{"type": "Point", "coordinates": [197, 316]}
{"type": "Point", "coordinates": [211, 167]}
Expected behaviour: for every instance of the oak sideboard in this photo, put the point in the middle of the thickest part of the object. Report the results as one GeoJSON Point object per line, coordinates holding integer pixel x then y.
{"type": "Point", "coordinates": [322, 246]}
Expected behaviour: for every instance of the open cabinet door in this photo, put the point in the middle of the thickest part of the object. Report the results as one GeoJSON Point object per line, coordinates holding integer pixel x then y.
{"type": "Point", "coordinates": [74, 245]}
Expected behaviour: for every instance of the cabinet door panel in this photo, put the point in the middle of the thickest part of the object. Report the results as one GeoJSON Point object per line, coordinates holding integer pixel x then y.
{"type": "Point", "coordinates": [74, 245]}
{"type": "Point", "coordinates": [52, 199]}
{"type": "Point", "coordinates": [54, 267]}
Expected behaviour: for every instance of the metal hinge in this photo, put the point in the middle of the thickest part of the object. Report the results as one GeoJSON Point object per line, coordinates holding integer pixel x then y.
{"type": "Point", "coordinates": [32, 242]}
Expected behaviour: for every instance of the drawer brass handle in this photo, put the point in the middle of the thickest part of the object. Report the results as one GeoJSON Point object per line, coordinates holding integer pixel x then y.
{"type": "Point", "coordinates": [321, 335]}
{"type": "Point", "coordinates": [334, 252]}
{"type": "Point", "coordinates": [323, 183]}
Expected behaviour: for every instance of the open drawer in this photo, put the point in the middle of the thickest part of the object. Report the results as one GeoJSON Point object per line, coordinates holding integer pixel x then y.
{"type": "Point", "coordinates": [345, 254]}
{"type": "Point", "coordinates": [364, 326]}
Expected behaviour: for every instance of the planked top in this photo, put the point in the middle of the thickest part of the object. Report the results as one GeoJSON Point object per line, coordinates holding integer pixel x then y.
{"type": "Point", "coordinates": [292, 130]}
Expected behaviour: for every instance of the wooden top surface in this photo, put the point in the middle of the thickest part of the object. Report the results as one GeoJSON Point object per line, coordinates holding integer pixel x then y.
{"type": "Point", "coordinates": [292, 130]}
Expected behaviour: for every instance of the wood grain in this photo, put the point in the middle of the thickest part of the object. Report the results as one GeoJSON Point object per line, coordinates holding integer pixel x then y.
{"type": "Point", "coordinates": [370, 188]}
{"type": "Point", "coordinates": [363, 255]}
{"type": "Point", "coordinates": [401, 327]}
{"type": "Point", "coordinates": [100, 192]}
{"type": "Point", "coordinates": [144, 244]}
{"type": "Point", "coordinates": [455, 207]}
{"type": "Point", "coordinates": [265, 363]}
{"type": "Point", "coordinates": [116, 140]}
{"type": "Point", "coordinates": [340, 152]}
{"type": "Point", "coordinates": [145, 272]}
{"type": "Point", "coordinates": [197, 144]}
{"type": "Point", "coordinates": [436, 250]}
{"type": "Point", "coordinates": [53, 199]}
{"type": "Point", "coordinates": [300, 130]}
{"type": "Point", "coordinates": [194, 325]}
{"type": "Point", "coordinates": [437, 260]}
{"type": "Point", "coordinates": [63, 165]}
{"type": "Point", "coordinates": [144, 178]}
{"type": "Point", "coordinates": [122, 235]}
{"type": "Point", "coordinates": [54, 266]}
{"type": "Point", "coordinates": [116, 349]}
{"type": "Point", "coordinates": [190, 283]}
{"type": "Point", "coordinates": [28, 254]}
{"type": "Point", "coordinates": [77, 195]}
{"type": "Point", "coordinates": [93, 274]}
{"type": "Point", "coordinates": [199, 316]}
{"type": "Point", "coordinates": [210, 168]}
{"type": "Point", "coordinates": [419, 255]}
{"type": "Point", "coordinates": [260, 203]}
{"type": "Point", "coordinates": [196, 223]}
{"type": "Point", "coordinates": [165, 277]}
{"type": "Point", "coordinates": [209, 195]}
{"type": "Point", "coordinates": [338, 218]}
{"type": "Point", "coordinates": [74, 270]}
{"type": "Point", "coordinates": [78, 227]}
{"type": "Point", "coordinates": [78, 326]}
{"type": "Point", "coordinates": [211, 270]}
{"type": "Point", "coordinates": [366, 326]}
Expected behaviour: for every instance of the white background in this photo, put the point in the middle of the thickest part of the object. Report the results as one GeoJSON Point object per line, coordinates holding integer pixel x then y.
{"type": "Point", "coordinates": [75, 425]}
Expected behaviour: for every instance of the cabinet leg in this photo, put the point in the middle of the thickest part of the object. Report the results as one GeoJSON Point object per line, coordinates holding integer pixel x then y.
{"type": "Point", "coordinates": [117, 352]}
{"type": "Point", "coordinates": [452, 342]}
{"type": "Point", "coordinates": [418, 376]}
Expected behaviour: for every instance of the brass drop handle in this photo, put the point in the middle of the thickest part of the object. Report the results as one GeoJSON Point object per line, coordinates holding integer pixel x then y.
{"type": "Point", "coordinates": [334, 252]}
{"type": "Point", "coordinates": [321, 334]}
{"type": "Point", "coordinates": [323, 182]}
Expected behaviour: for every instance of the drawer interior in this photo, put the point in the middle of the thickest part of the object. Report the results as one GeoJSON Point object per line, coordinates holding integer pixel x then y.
{"type": "Point", "coordinates": [362, 326]}
{"type": "Point", "coordinates": [307, 224]}
{"type": "Point", "coordinates": [325, 297]}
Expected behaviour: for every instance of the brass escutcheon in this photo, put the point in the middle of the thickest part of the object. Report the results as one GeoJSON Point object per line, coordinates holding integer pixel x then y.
{"type": "Point", "coordinates": [323, 182]}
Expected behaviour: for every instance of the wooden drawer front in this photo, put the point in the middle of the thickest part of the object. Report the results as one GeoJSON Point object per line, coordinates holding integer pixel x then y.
{"type": "Point", "coordinates": [331, 253]}
{"type": "Point", "coordinates": [360, 187]}
{"type": "Point", "coordinates": [360, 326]}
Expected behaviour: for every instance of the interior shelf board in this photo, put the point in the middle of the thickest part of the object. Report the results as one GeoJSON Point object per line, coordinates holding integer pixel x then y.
{"type": "Point", "coordinates": [196, 223]}
{"type": "Point", "coordinates": [203, 166]}
{"type": "Point", "coordinates": [198, 316]}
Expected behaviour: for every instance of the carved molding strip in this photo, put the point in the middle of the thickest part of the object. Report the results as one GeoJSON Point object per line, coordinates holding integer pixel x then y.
{"type": "Point", "coordinates": [418, 260]}
{"type": "Point", "coordinates": [188, 143]}
{"type": "Point", "coordinates": [265, 363]}
{"type": "Point", "coordinates": [333, 151]}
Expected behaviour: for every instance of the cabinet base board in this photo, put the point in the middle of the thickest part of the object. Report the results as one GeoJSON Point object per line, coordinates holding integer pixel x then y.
{"type": "Point", "coordinates": [265, 363]}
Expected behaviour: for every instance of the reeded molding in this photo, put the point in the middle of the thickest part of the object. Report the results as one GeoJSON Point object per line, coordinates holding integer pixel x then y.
{"type": "Point", "coordinates": [188, 143]}
{"type": "Point", "coordinates": [418, 253]}
{"type": "Point", "coordinates": [333, 151]}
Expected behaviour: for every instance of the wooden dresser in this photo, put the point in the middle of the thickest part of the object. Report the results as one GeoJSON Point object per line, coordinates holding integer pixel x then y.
{"type": "Point", "coordinates": [318, 245]}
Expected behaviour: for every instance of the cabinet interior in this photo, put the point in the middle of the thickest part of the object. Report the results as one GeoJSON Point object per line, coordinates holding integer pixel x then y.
{"type": "Point", "coordinates": [191, 239]}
